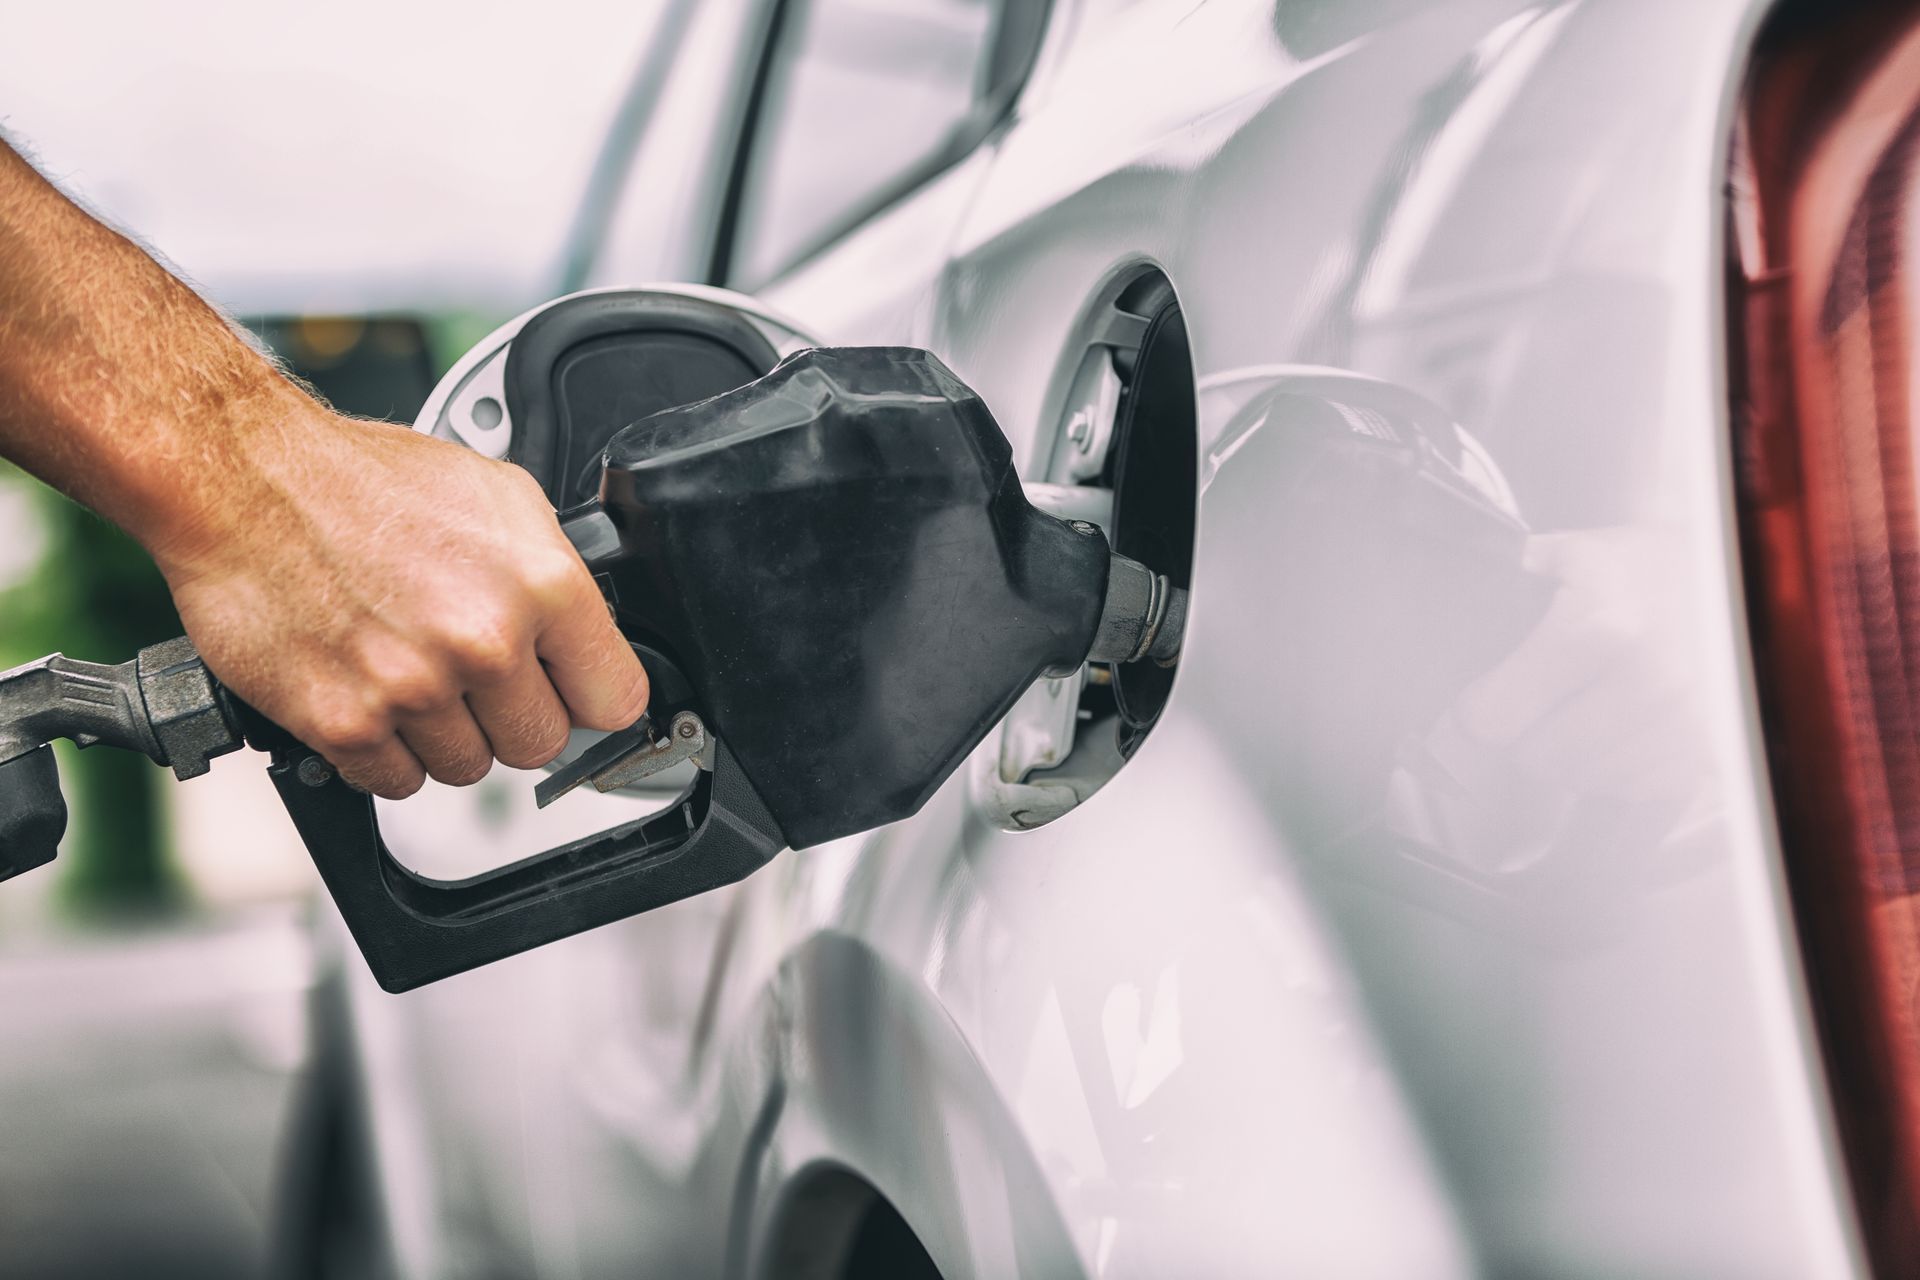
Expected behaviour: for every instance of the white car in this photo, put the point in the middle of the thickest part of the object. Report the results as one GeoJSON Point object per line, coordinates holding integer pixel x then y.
{"type": "Point", "coordinates": [1514, 875]}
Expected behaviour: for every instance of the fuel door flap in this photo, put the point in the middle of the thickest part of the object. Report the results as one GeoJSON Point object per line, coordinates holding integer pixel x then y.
{"type": "Point", "coordinates": [548, 389]}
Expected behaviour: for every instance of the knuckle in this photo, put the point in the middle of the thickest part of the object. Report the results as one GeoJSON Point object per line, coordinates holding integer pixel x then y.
{"type": "Point", "coordinates": [523, 496]}
{"type": "Point", "coordinates": [489, 648]}
{"type": "Point", "coordinates": [554, 577]}
{"type": "Point", "coordinates": [347, 726]}
{"type": "Point", "coordinates": [532, 489]}
{"type": "Point", "coordinates": [415, 687]}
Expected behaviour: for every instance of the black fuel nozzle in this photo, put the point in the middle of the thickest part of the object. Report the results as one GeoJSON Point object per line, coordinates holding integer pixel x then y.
{"type": "Point", "coordinates": [843, 560]}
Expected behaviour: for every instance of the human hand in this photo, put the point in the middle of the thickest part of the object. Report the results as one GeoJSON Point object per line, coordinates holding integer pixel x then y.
{"type": "Point", "coordinates": [406, 607]}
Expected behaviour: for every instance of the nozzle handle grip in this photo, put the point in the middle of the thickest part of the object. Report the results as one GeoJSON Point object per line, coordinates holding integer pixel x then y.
{"type": "Point", "coordinates": [415, 930]}
{"type": "Point", "coordinates": [33, 813]}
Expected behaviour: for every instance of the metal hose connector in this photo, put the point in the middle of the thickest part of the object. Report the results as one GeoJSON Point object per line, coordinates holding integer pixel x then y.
{"type": "Point", "coordinates": [1143, 617]}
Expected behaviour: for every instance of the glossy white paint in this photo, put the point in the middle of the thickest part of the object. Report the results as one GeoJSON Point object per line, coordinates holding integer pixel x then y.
{"type": "Point", "coordinates": [1437, 929]}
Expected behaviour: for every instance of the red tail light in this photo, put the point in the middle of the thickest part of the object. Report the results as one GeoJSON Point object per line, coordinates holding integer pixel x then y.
{"type": "Point", "coordinates": [1825, 232]}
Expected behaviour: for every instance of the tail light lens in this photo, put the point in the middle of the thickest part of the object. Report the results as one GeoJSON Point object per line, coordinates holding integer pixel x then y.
{"type": "Point", "coordinates": [1825, 229]}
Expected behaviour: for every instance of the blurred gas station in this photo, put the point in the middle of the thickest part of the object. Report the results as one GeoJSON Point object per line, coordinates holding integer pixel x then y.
{"type": "Point", "coordinates": [368, 188]}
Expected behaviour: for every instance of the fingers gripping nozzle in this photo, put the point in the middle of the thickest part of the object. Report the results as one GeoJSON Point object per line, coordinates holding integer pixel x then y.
{"type": "Point", "coordinates": [163, 704]}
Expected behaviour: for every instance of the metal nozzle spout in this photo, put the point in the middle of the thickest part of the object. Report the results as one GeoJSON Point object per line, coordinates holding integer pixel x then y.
{"type": "Point", "coordinates": [1143, 617]}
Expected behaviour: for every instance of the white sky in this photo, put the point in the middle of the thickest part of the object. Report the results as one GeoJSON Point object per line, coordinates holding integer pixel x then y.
{"type": "Point", "coordinates": [329, 157]}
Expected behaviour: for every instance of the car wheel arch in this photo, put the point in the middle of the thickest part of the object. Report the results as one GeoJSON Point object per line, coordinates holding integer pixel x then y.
{"type": "Point", "coordinates": [873, 1104]}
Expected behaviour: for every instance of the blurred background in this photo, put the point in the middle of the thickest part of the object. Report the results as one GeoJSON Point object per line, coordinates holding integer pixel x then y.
{"type": "Point", "coordinates": [370, 187]}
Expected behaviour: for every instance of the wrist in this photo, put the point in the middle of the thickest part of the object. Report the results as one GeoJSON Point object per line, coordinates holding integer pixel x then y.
{"type": "Point", "coordinates": [225, 470]}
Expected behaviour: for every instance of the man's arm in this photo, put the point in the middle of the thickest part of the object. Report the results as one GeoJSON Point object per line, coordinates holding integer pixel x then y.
{"type": "Point", "coordinates": [404, 606]}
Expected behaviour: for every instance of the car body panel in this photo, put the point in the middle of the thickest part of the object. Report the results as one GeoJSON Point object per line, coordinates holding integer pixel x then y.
{"type": "Point", "coordinates": [1438, 927]}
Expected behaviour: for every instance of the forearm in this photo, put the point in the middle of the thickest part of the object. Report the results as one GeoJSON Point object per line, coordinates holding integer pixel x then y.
{"type": "Point", "coordinates": [118, 385]}
{"type": "Point", "coordinates": [401, 604]}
